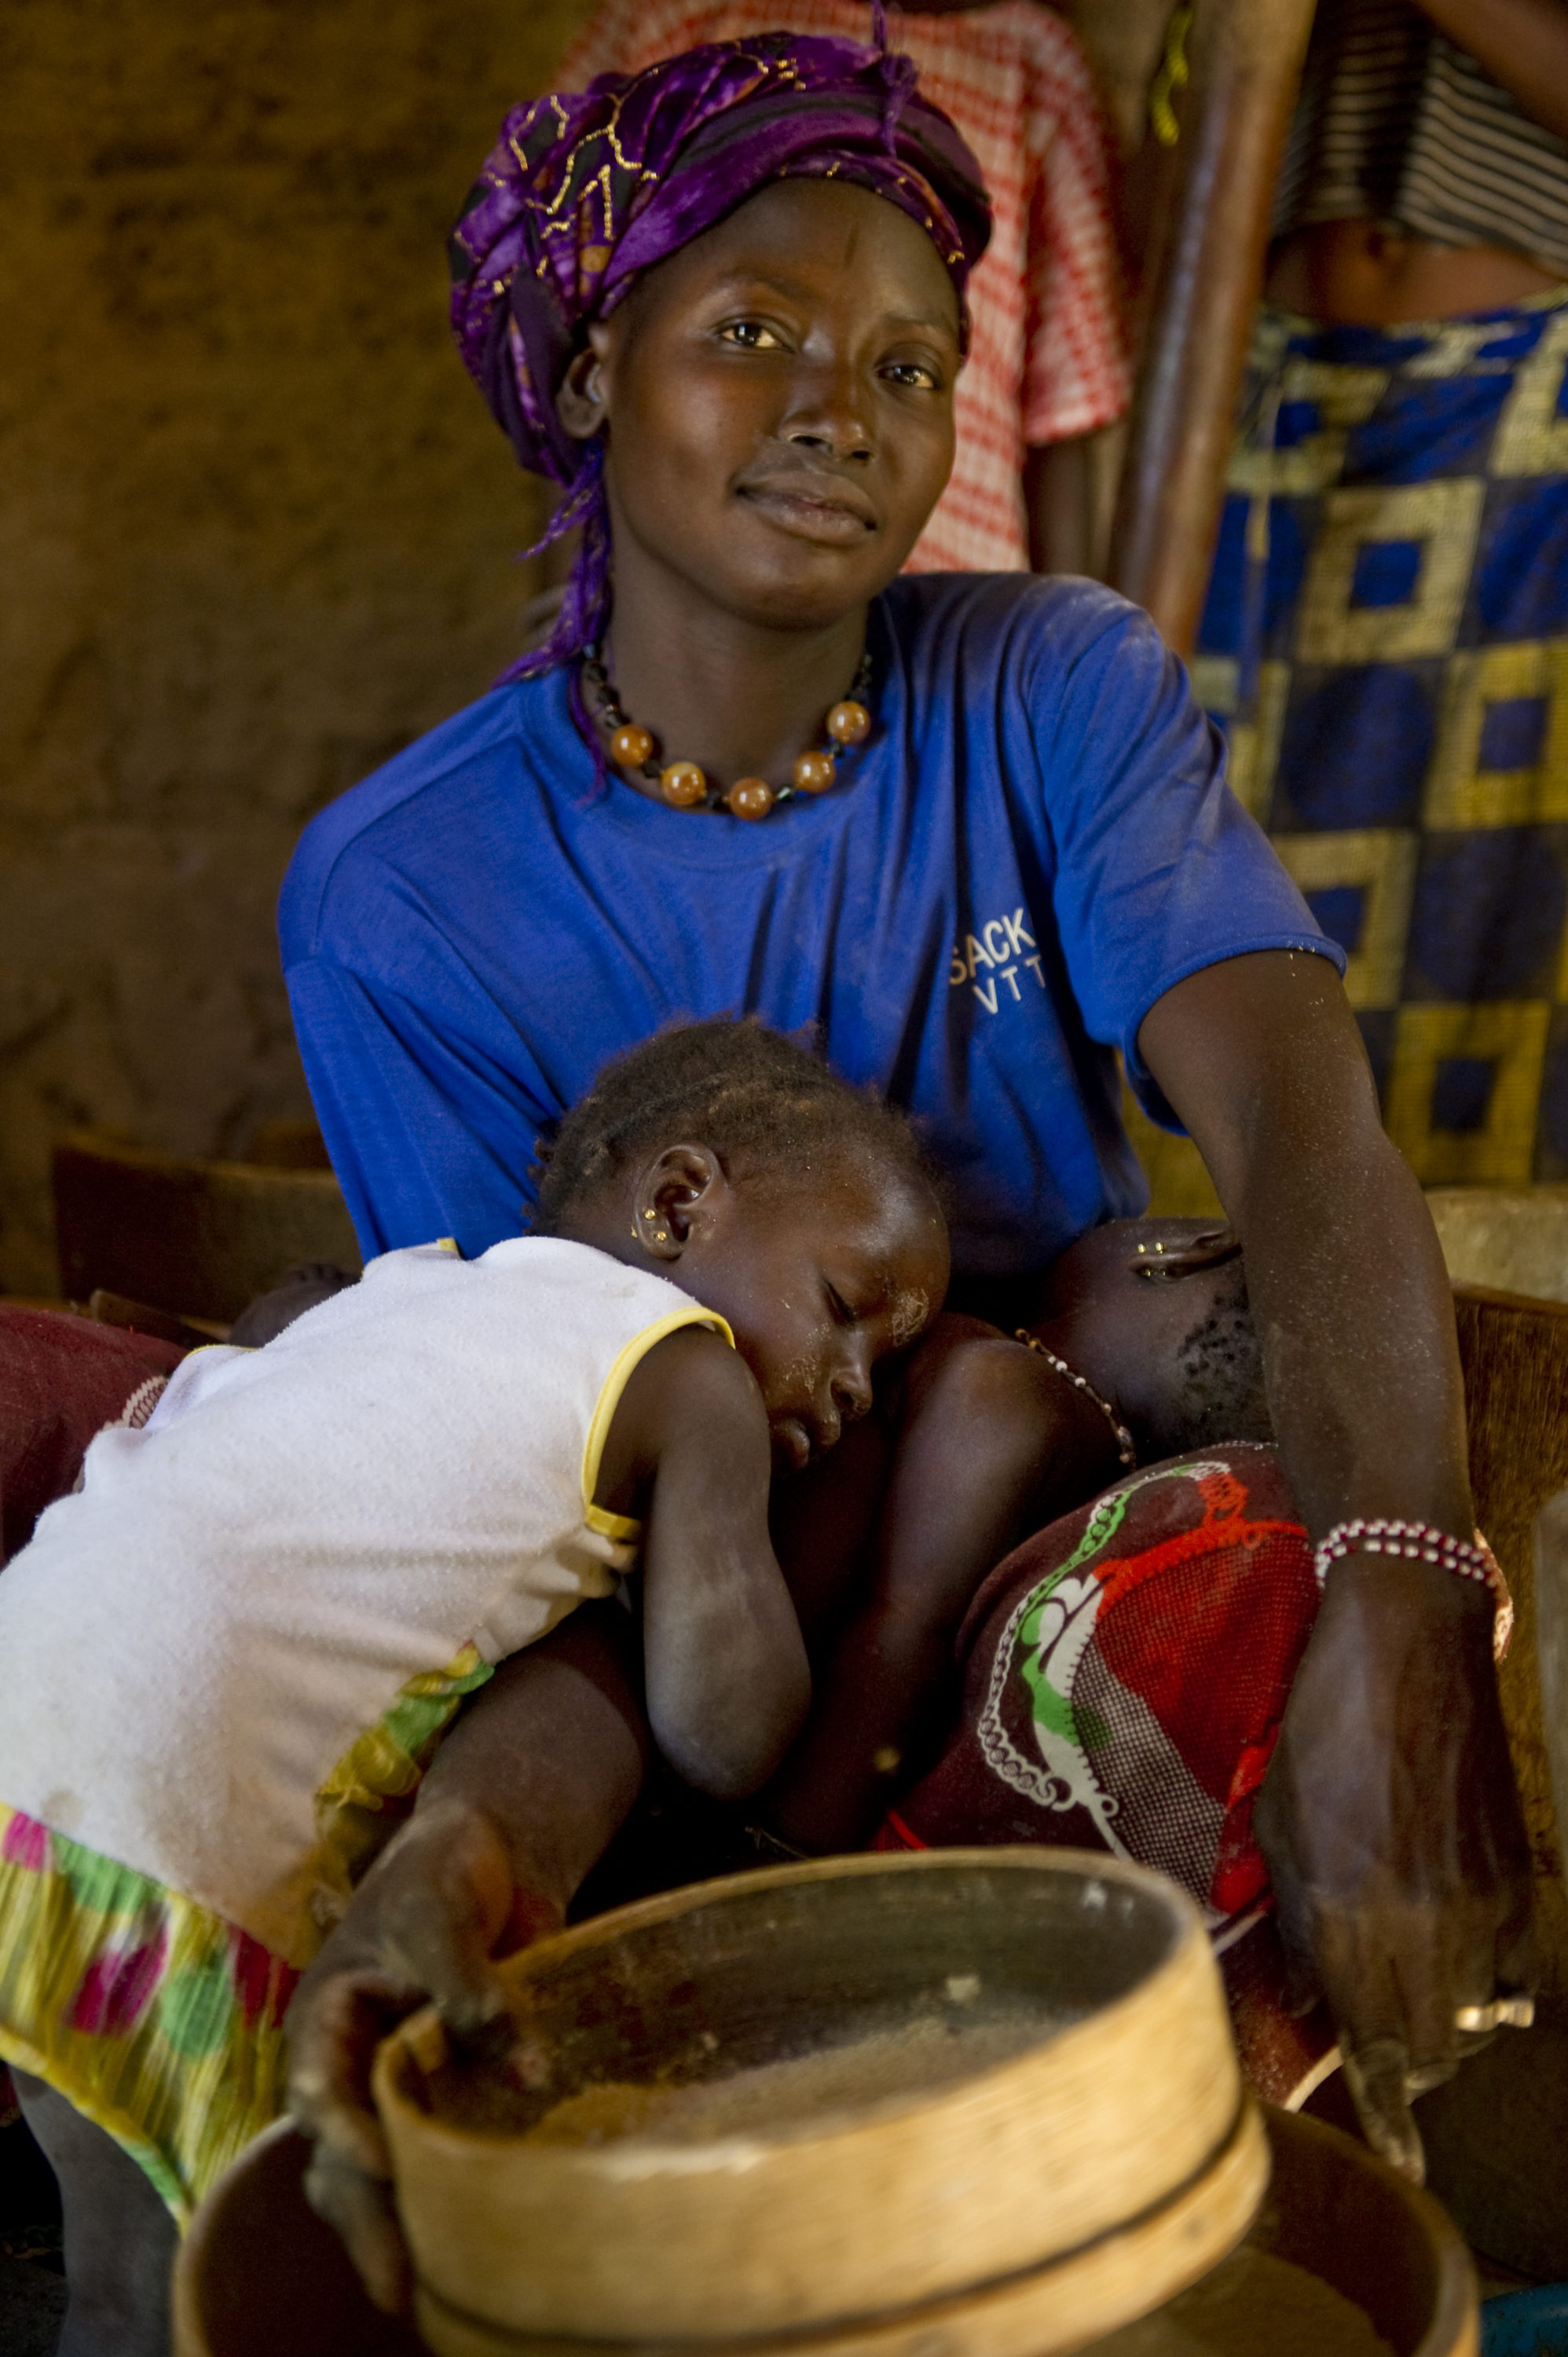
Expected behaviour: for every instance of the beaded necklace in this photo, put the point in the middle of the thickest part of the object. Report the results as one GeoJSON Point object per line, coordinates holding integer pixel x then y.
{"type": "Point", "coordinates": [684, 786]}
{"type": "Point", "coordinates": [1126, 1447]}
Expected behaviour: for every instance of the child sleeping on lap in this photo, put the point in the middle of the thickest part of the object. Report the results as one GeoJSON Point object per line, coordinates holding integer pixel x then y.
{"type": "Point", "coordinates": [274, 1596]}
{"type": "Point", "coordinates": [231, 1655]}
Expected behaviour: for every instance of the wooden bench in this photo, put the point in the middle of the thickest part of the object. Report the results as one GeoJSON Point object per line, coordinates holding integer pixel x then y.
{"type": "Point", "coordinates": [196, 1238]}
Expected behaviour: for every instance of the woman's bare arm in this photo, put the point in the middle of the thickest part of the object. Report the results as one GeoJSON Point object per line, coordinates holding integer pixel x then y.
{"type": "Point", "coordinates": [539, 1771]}
{"type": "Point", "coordinates": [1390, 1818]}
{"type": "Point", "coordinates": [989, 1444]}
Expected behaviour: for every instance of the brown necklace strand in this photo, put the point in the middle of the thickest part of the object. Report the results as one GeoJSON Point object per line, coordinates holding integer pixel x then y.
{"type": "Point", "coordinates": [1125, 1448]}
{"type": "Point", "coordinates": [684, 786]}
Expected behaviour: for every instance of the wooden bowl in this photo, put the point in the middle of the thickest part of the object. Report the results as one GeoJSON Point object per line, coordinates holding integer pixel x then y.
{"type": "Point", "coordinates": [260, 2276]}
{"type": "Point", "coordinates": [1338, 2212]}
{"type": "Point", "coordinates": [1054, 2069]}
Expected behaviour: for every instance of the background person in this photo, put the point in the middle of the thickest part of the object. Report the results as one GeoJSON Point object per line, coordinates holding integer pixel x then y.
{"type": "Point", "coordinates": [1384, 629]}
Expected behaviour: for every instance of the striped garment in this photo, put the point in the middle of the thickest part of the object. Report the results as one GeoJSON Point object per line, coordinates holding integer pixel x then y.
{"type": "Point", "coordinates": [1050, 357]}
{"type": "Point", "coordinates": [1396, 124]}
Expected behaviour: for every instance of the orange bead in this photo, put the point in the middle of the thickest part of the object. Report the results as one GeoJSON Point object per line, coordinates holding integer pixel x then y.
{"type": "Point", "coordinates": [684, 785]}
{"type": "Point", "coordinates": [848, 723]}
{"type": "Point", "coordinates": [631, 746]}
{"type": "Point", "coordinates": [751, 798]}
{"type": "Point", "coordinates": [814, 773]}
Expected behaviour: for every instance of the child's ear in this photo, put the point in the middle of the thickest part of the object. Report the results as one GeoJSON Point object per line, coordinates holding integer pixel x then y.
{"type": "Point", "coordinates": [679, 1197]}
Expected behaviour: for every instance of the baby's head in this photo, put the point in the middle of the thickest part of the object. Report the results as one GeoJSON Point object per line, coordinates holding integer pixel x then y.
{"type": "Point", "coordinates": [733, 1162]}
{"type": "Point", "coordinates": [1155, 1312]}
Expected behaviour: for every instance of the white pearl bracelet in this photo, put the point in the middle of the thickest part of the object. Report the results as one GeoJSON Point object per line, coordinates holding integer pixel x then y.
{"type": "Point", "coordinates": [1422, 1542]}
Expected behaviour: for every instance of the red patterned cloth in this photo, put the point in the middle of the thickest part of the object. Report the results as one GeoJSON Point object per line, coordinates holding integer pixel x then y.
{"type": "Point", "coordinates": [1125, 1673]}
{"type": "Point", "coordinates": [1050, 355]}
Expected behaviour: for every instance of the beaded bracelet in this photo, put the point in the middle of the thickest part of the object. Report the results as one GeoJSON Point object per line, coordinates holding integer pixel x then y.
{"type": "Point", "coordinates": [1422, 1542]}
{"type": "Point", "coordinates": [1125, 1448]}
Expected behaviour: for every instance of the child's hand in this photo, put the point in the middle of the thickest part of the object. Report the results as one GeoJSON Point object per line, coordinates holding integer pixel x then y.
{"type": "Point", "coordinates": [425, 1924]}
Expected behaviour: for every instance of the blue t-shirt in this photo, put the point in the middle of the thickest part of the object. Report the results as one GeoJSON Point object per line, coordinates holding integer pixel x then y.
{"type": "Point", "coordinates": [1034, 844]}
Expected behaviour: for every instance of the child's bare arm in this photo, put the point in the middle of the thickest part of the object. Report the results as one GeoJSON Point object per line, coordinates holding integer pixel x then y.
{"type": "Point", "coordinates": [724, 1664]}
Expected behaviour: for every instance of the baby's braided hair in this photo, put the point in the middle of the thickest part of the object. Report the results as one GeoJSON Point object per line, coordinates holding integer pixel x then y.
{"type": "Point", "coordinates": [762, 1103]}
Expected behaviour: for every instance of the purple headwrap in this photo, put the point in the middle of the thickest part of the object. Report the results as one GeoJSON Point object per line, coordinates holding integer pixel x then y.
{"type": "Point", "coordinates": [586, 190]}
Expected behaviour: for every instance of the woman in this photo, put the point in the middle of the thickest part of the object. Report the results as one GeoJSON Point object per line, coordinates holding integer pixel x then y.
{"type": "Point", "coordinates": [1385, 621]}
{"type": "Point", "coordinates": [723, 305]}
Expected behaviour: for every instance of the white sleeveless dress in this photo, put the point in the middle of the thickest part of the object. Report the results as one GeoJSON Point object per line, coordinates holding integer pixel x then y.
{"type": "Point", "coordinates": [399, 1489]}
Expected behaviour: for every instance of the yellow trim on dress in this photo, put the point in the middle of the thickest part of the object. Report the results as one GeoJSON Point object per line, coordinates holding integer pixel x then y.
{"type": "Point", "coordinates": [625, 1528]}
{"type": "Point", "coordinates": [628, 1360]}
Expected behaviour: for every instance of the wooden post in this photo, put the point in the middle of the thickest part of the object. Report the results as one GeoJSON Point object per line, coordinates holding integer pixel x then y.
{"type": "Point", "coordinates": [1246, 66]}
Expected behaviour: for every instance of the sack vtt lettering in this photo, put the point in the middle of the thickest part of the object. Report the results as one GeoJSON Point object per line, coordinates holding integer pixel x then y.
{"type": "Point", "coordinates": [999, 947]}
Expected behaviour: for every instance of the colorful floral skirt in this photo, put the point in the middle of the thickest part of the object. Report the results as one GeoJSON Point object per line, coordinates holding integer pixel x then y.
{"type": "Point", "coordinates": [154, 2016]}
{"type": "Point", "coordinates": [158, 2019]}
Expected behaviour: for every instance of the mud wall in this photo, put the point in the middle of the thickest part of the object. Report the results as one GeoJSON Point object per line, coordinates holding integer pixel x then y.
{"type": "Point", "coordinates": [257, 529]}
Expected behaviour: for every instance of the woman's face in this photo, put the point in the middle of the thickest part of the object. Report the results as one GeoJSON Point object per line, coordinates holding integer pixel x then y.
{"type": "Point", "coordinates": [778, 402]}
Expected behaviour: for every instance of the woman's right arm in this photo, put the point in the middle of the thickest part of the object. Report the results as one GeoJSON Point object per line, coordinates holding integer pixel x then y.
{"type": "Point", "coordinates": [521, 1800]}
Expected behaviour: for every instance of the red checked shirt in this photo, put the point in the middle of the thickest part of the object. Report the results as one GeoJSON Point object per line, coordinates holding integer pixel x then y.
{"type": "Point", "coordinates": [1050, 357]}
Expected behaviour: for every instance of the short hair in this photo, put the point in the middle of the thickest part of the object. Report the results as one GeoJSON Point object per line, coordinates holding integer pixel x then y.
{"type": "Point", "coordinates": [753, 1096]}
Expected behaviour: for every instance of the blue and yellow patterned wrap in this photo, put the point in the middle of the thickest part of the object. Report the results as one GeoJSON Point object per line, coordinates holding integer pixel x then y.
{"type": "Point", "coordinates": [1386, 646]}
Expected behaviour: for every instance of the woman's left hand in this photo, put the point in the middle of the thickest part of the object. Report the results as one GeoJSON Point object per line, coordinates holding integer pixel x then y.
{"type": "Point", "coordinates": [1389, 1816]}
{"type": "Point", "coordinates": [1394, 1834]}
